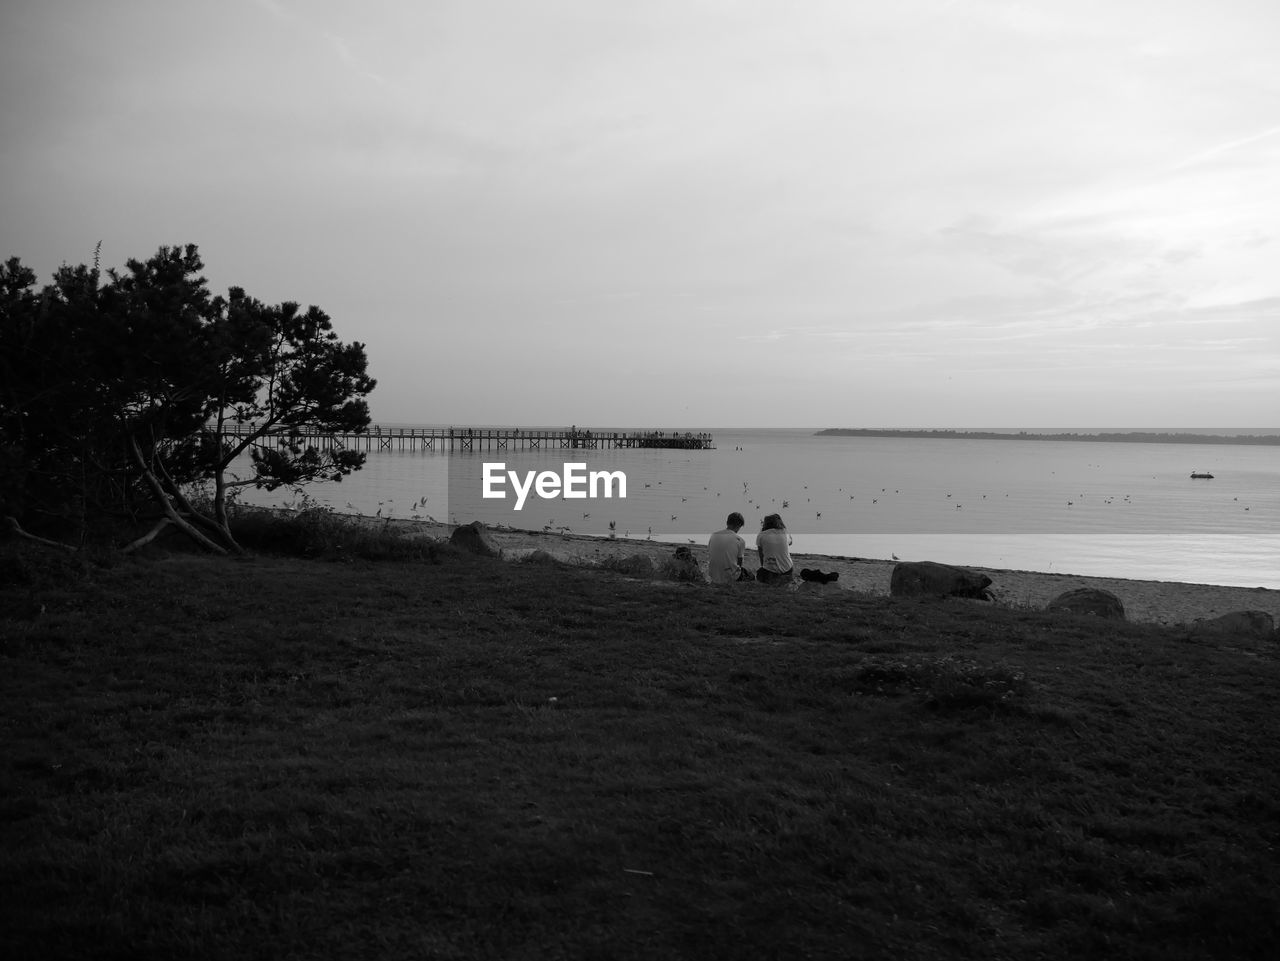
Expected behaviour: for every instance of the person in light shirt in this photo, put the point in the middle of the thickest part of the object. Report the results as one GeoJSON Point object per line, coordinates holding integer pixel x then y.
{"type": "Point", "coordinates": [726, 551]}
{"type": "Point", "coordinates": [773, 543]}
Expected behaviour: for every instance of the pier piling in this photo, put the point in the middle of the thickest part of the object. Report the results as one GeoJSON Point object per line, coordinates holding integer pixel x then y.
{"type": "Point", "coordinates": [376, 438]}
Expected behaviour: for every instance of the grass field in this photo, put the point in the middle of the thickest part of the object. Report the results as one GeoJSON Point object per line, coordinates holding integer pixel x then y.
{"type": "Point", "coordinates": [450, 757]}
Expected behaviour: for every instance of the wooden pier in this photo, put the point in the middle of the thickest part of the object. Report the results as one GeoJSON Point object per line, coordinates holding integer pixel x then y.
{"type": "Point", "coordinates": [375, 438]}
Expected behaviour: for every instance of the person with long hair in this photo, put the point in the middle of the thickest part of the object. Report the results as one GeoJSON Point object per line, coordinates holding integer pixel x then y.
{"type": "Point", "coordinates": [773, 542]}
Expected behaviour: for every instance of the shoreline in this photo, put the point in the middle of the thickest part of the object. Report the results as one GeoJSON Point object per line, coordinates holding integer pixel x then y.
{"type": "Point", "coordinates": [1170, 603]}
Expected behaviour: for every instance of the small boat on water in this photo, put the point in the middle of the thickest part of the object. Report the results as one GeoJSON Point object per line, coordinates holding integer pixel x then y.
{"type": "Point", "coordinates": [1198, 476]}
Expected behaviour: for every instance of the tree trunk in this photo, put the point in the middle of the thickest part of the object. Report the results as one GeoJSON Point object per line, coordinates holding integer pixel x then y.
{"type": "Point", "coordinates": [220, 527]}
{"type": "Point", "coordinates": [158, 491]}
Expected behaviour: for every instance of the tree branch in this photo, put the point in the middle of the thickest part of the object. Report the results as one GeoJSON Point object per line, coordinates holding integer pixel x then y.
{"type": "Point", "coordinates": [157, 490]}
{"type": "Point", "coordinates": [245, 443]}
{"type": "Point", "coordinates": [147, 538]}
{"type": "Point", "coordinates": [14, 526]}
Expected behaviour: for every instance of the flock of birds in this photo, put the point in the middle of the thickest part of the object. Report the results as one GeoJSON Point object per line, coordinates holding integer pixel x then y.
{"type": "Point", "coordinates": [417, 509]}
{"type": "Point", "coordinates": [779, 504]}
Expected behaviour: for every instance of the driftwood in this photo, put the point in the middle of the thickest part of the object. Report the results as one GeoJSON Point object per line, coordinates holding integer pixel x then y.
{"type": "Point", "coordinates": [14, 526]}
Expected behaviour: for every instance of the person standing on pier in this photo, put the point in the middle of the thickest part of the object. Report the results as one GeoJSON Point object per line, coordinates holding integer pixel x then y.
{"type": "Point", "coordinates": [726, 551]}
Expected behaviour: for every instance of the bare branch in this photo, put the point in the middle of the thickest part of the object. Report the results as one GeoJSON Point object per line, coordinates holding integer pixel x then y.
{"type": "Point", "coordinates": [14, 526]}
{"type": "Point", "coordinates": [162, 499]}
{"type": "Point", "coordinates": [146, 538]}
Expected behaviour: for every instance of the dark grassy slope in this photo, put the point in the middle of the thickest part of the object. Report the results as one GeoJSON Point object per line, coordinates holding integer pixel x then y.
{"type": "Point", "coordinates": [279, 758]}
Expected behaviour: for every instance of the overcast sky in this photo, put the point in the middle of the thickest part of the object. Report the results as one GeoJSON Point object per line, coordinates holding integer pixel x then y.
{"type": "Point", "coordinates": [692, 212]}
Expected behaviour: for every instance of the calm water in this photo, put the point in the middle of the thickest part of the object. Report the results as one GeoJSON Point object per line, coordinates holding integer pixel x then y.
{"type": "Point", "coordinates": [1108, 509]}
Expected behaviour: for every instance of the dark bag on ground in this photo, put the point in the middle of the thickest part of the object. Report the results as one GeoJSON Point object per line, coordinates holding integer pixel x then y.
{"type": "Point", "coordinates": [819, 577]}
{"type": "Point", "coordinates": [766, 576]}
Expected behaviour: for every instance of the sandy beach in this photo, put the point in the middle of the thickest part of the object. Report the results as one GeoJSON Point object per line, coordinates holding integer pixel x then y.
{"type": "Point", "coordinates": [1152, 602]}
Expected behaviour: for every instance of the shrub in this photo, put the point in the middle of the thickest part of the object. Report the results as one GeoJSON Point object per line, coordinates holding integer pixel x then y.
{"type": "Point", "coordinates": [316, 530]}
{"type": "Point", "coordinates": [633, 565]}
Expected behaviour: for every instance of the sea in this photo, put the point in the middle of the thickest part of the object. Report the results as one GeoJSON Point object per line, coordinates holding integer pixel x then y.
{"type": "Point", "coordinates": [1106, 509]}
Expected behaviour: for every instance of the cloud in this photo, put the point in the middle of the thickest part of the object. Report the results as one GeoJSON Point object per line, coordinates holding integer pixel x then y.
{"type": "Point", "coordinates": [336, 43]}
{"type": "Point", "coordinates": [1215, 152]}
{"type": "Point", "coordinates": [873, 193]}
{"type": "Point", "coordinates": [276, 10]}
{"type": "Point", "coordinates": [343, 50]}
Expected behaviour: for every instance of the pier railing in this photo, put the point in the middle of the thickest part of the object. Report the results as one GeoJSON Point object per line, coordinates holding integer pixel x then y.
{"type": "Point", "coordinates": [376, 438]}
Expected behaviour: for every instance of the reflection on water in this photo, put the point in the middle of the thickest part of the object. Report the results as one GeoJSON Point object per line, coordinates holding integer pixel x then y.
{"type": "Point", "coordinates": [1121, 510]}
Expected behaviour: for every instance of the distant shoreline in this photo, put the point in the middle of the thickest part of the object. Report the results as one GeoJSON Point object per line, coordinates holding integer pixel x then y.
{"type": "Point", "coordinates": [1121, 437]}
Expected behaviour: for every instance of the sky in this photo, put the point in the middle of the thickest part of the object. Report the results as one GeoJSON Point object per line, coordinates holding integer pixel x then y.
{"type": "Point", "coordinates": [685, 213]}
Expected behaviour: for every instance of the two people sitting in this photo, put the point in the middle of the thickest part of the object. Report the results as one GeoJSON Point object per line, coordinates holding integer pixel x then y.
{"type": "Point", "coordinates": [727, 549]}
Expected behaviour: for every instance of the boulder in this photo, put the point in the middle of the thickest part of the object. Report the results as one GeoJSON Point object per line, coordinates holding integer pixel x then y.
{"type": "Point", "coordinates": [1258, 624]}
{"type": "Point", "coordinates": [474, 537]}
{"type": "Point", "coordinates": [1088, 600]}
{"type": "Point", "coordinates": [929, 579]}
